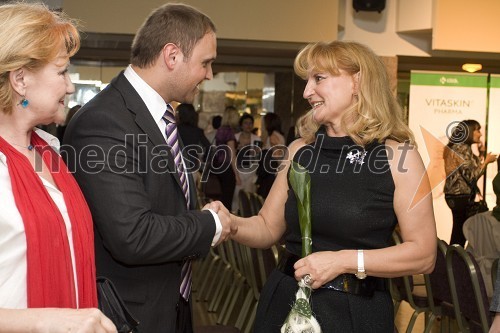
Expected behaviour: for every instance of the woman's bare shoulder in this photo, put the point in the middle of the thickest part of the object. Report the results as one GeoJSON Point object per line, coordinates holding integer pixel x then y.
{"type": "Point", "coordinates": [405, 160]}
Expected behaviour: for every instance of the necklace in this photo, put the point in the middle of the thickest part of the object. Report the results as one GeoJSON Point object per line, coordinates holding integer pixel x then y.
{"type": "Point", "coordinates": [29, 147]}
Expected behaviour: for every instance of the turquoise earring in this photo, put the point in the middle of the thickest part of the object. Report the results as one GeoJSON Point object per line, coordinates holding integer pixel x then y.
{"type": "Point", "coordinates": [24, 103]}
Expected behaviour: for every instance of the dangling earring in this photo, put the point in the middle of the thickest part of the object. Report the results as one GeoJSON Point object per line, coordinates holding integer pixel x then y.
{"type": "Point", "coordinates": [24, 103]}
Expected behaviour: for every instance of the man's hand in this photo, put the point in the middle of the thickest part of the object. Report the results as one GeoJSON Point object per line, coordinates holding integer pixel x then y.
{"type": "Point", "coordinates": [226, 220]}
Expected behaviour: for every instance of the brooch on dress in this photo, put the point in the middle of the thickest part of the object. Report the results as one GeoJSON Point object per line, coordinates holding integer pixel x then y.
{"type": "Point", "coordinates": [356, 157]}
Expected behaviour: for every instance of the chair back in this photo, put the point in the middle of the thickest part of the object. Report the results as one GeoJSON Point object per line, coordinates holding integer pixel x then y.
{"type": "Point", "coordinates": [403, 289]}
{"type": "Point", "coordinates": [245, 204]}
{"type": "Point", "coordinates": [494, 272]}
{"type": "Point", "coordinates": [439, 288]}
{"type": "Point", "coordinates": [256, 202]}
{"type": "Point", "coordinates": [467, 291]}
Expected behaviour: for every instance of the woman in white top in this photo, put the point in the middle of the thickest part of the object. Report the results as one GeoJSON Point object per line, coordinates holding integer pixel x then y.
{"type": "Point", "coordinates": [248, 147]}
{"type": "Point", "coordinates": [47, 266]}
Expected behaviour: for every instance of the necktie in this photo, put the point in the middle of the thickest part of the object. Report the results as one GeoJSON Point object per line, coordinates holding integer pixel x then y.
{"type": "Point", "coordinates": [173, 142]}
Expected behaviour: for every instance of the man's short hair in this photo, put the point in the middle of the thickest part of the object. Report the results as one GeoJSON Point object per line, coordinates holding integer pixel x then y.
{"type": "Point", "coordinates": [175, 23]}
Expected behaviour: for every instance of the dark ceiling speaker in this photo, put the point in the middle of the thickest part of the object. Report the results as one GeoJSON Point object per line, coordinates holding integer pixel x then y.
{"type": "Point", "coordinates": [368, 5]}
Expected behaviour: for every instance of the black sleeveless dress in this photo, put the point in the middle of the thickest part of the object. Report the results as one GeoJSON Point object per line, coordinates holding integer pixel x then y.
{"type": "Point", "coordinates": [351, 208]}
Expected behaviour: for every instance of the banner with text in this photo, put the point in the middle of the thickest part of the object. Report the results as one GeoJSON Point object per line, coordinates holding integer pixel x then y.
{"type": "Point", "coordinates": [493, 142]}
{"type": "Point", "coordinates": [438, 101]}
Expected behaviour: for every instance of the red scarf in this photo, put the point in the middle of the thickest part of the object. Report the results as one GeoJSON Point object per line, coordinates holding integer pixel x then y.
{"type": "Point", "coordinates": [50, 279]}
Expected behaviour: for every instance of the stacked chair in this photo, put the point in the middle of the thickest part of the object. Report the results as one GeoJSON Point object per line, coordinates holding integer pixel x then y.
{"type": "Point", "coordinates": [467, 291]}
{"type": "Point", "coordinates": [404, 289]}
{"type": "Point", "coordinates": [228, 282]}
{"type": "Point", "coordinates": [438, 291]}
{"type": "Point", "coordinates": [494, 271]}
{"type": "Point", "coordinates": [454, 291]}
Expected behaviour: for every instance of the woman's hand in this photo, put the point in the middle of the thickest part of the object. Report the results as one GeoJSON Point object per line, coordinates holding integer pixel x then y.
{"type": "Point", "coordinates": [78, 321]}
{"type": "Point", "coordinates": [55, 320]}
{"type": "Point", "coordinates": [481, 148]}
{"type": "Point", "coordinates": [490, 158]}
{"type": "Point", "coordinates": [321, 266]}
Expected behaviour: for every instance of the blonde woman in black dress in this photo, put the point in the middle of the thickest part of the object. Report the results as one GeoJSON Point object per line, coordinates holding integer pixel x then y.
{"type": "Point", "coordinates": [366, 178]}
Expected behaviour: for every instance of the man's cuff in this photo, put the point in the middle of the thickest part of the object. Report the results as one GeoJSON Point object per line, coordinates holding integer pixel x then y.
{"type": "Point", "coordinates": [218, 227]}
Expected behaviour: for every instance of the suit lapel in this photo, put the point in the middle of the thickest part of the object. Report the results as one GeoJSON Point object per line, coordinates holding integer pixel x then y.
{"type": "Point", "coordinates": [146, 122]}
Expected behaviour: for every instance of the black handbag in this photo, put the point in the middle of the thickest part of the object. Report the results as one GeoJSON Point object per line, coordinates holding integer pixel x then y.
{"type": "Point", "coordinates": [112, 305]}
{"type": "Point", "coordinates": [475, 207]}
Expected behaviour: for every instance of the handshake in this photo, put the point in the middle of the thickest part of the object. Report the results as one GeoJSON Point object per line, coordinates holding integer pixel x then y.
{"type": "Point", "coordinates": [226, 219]}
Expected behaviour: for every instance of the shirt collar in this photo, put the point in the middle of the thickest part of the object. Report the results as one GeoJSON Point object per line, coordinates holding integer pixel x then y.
{"type": "Point", "coordinates": [154, 102]}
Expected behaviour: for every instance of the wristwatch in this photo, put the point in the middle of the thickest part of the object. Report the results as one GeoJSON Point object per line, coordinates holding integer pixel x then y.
{"type": "Point", "coordinates": [361, 274]}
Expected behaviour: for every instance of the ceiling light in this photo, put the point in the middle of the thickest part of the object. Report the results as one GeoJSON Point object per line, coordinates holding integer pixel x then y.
{"type": "Point", "coordinates": [471, 68]}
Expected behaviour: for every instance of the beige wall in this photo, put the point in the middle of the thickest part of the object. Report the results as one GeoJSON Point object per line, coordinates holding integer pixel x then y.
{"type": "Point", "coordinates": [379, 31]}
{"type": "Point", "coordinates": [104, 74]}
{"type": "Point", "coordinates": [417, 27]}
{"type": "Point", "coordinates": [456, 25]}
{"type": "Point", "coordinates": [414, 15]}
{"type": "Point", "coordinates": [467, 25]}
{"type": "Point", "coordinates": [275, 20]}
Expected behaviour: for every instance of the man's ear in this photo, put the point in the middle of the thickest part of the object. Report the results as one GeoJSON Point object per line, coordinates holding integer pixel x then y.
{"type": "Point", "coordinates": [171, 55]}
{"type": "Point", "coordinates": [16, 79]}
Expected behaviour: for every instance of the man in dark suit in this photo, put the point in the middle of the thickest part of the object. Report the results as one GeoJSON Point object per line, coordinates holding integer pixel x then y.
{"type": "Point", "coordinates": [147, 226]}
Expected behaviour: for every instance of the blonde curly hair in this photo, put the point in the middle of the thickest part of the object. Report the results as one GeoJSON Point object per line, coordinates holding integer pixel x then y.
{"type": "Point", "coordinates": [376, 115]}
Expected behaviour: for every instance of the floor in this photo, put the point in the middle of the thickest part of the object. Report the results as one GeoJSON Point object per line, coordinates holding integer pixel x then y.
{"type": "Point", "coordinates": [403, 318]}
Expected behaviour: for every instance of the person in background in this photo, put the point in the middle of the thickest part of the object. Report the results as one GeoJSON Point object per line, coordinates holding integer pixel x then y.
{"type": "Point", "coordinates": [272, 123]}
{"type": "Point", "coordinates": [273, 153]}
{"type": "Point", "coordinates": [495, 305]}
{"type": "Point", "coordinates": [463, 168]}
{"type": "Point", "coordinates": [365, 174]}
{"type": "Point", "coordinates": [195, 143]}
{"type": "Point", "coordinates": [47, 268]}
{"type": "Point", "coordinates": [144, 203]}
{"type": "Point", "coordinates": [482, 232]}
{"type": "Point", "coordinates": [61, 129]}
{"type": "Point", "coordinates": [245, 137]}
{"type": "Point", "coordinates": [216, 122]}
{"type": "Point", "coordinates": [247, 155]}
{"type": "Point", "coordinates": [224, 161]}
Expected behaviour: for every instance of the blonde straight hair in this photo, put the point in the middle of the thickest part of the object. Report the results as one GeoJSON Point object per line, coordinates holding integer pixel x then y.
{"type": "Point", "coordinates": [376, 115]}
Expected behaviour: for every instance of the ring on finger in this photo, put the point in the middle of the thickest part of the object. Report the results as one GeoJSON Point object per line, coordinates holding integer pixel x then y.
{"type": "Point", "coordinates": [307, 279]}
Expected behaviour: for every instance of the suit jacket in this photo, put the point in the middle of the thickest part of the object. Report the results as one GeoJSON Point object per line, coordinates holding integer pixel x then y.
{"type": "Point", "coordinates": [143, 229]}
